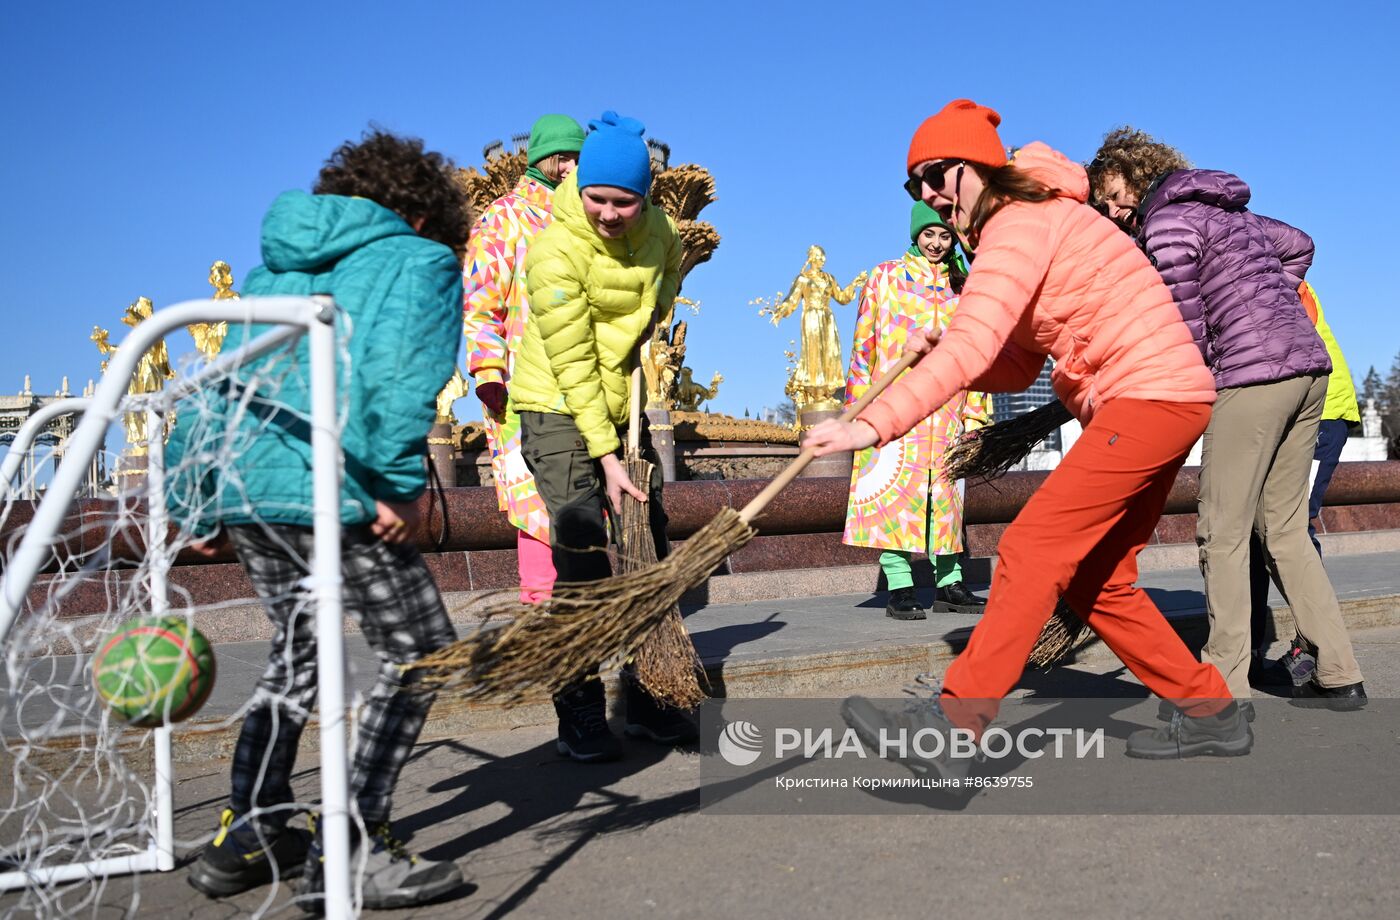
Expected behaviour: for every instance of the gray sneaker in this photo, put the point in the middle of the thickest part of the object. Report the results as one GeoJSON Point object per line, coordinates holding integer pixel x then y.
{"type": "Point", "coordinates": [390, 877]}
{"type": "Point", "coordinates": [924, 756]}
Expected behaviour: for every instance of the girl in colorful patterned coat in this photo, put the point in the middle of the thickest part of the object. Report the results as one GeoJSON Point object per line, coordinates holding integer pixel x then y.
{"type": "Point", "coordinates": [900, 502]}
{"type": "Point", "coordinates": [495, 308]}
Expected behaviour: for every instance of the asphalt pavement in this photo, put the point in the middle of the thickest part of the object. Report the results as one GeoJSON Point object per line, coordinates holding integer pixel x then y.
{"type": "Point", "coordinates": [538, 836]}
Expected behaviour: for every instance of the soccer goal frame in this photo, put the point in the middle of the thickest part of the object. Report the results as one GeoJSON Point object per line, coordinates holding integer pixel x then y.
{"type": "Point", "coordinates": [292, 317]}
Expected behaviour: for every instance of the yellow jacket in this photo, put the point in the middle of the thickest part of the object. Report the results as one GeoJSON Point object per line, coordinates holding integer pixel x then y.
{"type": "Point", "coordinates": [1341, 392]}
{"type": "Point", "coordinates": [591, 300]}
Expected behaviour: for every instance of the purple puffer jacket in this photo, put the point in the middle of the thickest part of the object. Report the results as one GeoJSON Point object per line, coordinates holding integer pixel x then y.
{"type": "Point", "coordinates": [1235, 277]}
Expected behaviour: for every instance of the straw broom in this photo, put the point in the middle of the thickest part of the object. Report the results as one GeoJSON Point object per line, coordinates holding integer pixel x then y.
{"type": "Point", "coordinates": [1058, 637]}
{"type": "Point", "coordinates": [667, 664]}
{"type": "Point", "coordinates": [988, 454]}
{"type": "Point", "coordinates": [538, 648]}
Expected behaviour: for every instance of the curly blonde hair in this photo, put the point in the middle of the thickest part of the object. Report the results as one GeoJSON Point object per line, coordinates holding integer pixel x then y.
{"type": "Point", "coordinates": [1136, 156]}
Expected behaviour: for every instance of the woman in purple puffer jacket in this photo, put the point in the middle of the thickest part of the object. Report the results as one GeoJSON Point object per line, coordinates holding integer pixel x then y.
{"type": "Point", "coordinates": [1235, 275]}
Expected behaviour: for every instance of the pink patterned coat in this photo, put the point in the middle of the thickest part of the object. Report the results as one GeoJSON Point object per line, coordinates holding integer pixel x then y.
{"type": "Point", "coordinates": [494, 311]}
{"type": "Point", "coordinates": [899, 498]}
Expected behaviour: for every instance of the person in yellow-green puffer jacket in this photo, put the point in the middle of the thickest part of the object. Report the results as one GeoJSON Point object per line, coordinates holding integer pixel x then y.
{"type": "Point", "coordinates": [597, 279]}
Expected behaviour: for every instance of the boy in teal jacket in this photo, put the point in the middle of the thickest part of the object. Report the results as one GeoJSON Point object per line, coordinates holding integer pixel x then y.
{"type": "Point", "coordinates": [376, 235]}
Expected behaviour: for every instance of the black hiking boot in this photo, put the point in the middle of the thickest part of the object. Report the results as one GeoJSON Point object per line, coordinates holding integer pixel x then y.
{"type": "Point", "coordinates": [1264, 674]}
{"type": "Point", "coordinates": [1166, 709]}
{"type": "Point", "coordinates": [583, 723]}
{"type": "Point", "coordinates": [1225, 734]}
{"type": "Point", "coordinates": [649, 719]}
{"type": "Point", "coordinates": [904, 605]}
{"type": "Point", "coordinates": [243, 856]}
{"type": "Point", "coordinates": [1348, 698]}
{"type": "Point", "coordinates": [956, 598]}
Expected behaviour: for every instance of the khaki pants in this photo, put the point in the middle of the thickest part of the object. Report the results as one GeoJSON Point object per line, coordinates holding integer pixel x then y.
{"type": "Point", "coordinates": [1256, 457]}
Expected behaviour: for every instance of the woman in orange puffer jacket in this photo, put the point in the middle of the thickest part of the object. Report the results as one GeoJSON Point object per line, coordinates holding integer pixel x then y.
{"type": "Point", "coordinates": [1053, 277]}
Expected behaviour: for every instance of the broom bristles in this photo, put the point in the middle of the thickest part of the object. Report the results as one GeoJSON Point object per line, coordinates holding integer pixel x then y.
{"type": "Point", "coordinates": [1058, 637]}
{"type": "Point", "coordinates": [990, 452]}
{"type": "Point", "coordinates": [666, 665]}
{"type": "Point", "coordinates": [545, 646]}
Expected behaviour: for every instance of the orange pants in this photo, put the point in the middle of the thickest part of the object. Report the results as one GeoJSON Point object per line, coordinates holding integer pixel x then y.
{"type": "Point", "coordinates": [1078, 537]}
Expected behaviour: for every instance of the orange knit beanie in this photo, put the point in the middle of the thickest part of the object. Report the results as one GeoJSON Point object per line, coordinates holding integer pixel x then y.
{"type": "Point", "coordinates": [963, 130]}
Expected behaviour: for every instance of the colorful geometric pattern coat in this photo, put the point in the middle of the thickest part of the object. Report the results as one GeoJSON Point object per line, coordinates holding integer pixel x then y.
{"type": "Point", "coordinates": [494, 311]}
{"type": "Point", "coordinates": [894, 487]}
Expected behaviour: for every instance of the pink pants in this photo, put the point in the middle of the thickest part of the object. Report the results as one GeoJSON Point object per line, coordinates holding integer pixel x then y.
{"type": "Point", "coordinates": [536, 562]}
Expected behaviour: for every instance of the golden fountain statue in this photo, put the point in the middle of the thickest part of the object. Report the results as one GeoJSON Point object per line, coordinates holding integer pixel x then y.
{"type": "Point", "coordinates": [151, 372]}
{"type": "Point", "coordinates": [209, 337]}
{"type": "Point", "coordinates": [663, 354]}
{"type": "Point", "coordinates": [689, 394]}
{"type": "Point", "coordinates": [456, 388]}
{"type": "Point", "coordinates": [104, 347]}
{"type": "Point", "coordinates": [818, 375]}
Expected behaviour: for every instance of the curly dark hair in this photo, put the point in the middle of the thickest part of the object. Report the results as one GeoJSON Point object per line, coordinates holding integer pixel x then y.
{"type": "Point", "coordinates": [399, 174]}
{"type": "Point", "coordinates": [1138, 157]}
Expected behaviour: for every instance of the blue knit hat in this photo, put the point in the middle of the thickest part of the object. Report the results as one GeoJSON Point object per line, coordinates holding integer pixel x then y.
{"type": "Point", "coordinates": [615, 154]}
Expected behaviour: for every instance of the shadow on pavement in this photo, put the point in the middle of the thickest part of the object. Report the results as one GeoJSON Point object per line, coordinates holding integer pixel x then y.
{"type": "Point", "coordinates": [573, 804]}
{"type": "Point", "coordinates": [715, 646]}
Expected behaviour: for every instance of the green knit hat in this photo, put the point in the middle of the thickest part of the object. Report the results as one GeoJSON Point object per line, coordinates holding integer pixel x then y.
{"type": "Point", "coordinates": [553, 134]}
{"type": "Point", "coordinates": [924, 216]}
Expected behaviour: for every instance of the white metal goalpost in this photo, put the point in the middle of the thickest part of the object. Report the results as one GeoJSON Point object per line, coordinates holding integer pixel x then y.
{"type": "Point", "coordinates": [293, 317]}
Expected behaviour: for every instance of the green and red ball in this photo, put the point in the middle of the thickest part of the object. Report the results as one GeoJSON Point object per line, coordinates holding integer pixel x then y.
{"type": "Point", "coordinates": [154, 670]}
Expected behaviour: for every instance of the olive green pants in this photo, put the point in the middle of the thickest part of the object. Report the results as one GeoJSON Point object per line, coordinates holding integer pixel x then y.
{"type": "Point", "coordinates": [571, 484]}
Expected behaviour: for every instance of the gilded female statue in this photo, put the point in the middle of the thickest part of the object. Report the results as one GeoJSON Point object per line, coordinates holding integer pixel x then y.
{"type": "Point", "coordinates": [209, 337]}
{"type": "Point", "coordinates": [149, 377]}
{"type": "Point", "coordinates": [818, 374]}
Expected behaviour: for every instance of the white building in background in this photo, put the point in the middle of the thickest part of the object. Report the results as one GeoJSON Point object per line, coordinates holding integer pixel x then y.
{"type": "Point", "coordinates": [1371, 444]}
{"type": "Point", "coordinates": [48, 450]}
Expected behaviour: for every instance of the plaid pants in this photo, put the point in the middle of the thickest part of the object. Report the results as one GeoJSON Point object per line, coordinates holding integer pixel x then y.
{"type": "Point", "coordinates": [391, 594]}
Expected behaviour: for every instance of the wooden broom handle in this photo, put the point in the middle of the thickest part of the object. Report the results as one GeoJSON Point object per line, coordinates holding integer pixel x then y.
{"type": "Point", "coordinates": [634, 423]}
{"type": "Point", "coordinates": [760, 501]}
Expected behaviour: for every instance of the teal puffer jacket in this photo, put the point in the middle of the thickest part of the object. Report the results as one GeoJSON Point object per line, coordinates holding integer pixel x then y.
{"type": "Point", "coordinates": [400, 299]}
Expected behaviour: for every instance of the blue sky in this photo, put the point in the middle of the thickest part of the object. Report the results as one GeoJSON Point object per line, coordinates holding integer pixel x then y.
{"type": "Point", "coordinates": [144, 140]}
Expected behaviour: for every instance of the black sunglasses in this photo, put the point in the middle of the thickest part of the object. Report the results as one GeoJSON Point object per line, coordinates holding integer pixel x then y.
{"type": "Point", "coordinates": [934, 177]}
